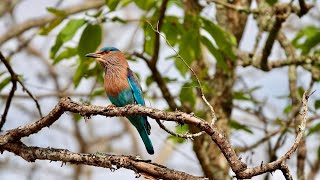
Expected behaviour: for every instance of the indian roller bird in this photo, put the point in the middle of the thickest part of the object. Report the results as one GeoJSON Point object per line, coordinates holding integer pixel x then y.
{"type": "Point", "coordinates": [123, 87]}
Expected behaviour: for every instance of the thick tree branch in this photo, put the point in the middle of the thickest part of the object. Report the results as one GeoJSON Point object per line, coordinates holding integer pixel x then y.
{"type": "Point", "coordinates": [66, 104]}
{"type": "Point", "coordinates": [112, 162]}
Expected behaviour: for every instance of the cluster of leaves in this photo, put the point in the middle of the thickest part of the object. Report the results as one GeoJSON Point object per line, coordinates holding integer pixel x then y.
{"type": "Point", "coordinates": [308, 41]}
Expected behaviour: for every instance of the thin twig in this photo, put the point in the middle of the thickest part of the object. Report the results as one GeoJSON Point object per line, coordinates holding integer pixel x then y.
{"type": "Point", "coordinates": [184, 136]}
{"type": "Point", "coordinates": [14, 79]}
{"type": "Point", "coordinates": [214, 118]}
{"type": "Point", "coordinates": [31, 96]}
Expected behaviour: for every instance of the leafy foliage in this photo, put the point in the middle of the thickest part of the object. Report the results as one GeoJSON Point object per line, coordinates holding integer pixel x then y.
{"type": "Point", "coordinates": [314, 129]}
{"type": "Point", "coordinates": [180, 129]}
{"type": "Point", "coordinates": [307, 39]}
{"type": "Point", "coordinates": [237, 126]}
{"type": "Point", "coordinates": [66, 34]}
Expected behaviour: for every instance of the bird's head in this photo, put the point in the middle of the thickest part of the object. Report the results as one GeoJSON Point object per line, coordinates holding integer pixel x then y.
{"type": "Point", "coordinates": [107, 55]}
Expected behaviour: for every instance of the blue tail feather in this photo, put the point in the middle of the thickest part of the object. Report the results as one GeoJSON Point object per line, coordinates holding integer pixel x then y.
{"type": "Point", "coordinates": [139, 123]}
{"type": "Point", "coordinates": [146, 140]}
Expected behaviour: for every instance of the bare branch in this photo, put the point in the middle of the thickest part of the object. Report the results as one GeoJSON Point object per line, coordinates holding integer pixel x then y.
{"type": "Point", "coordinates": [14, 79]}
{"type": "Point", "coordinates": [285, 171]}
{"type": "Point", "coordinates": [185, 136]}
{"type": "Point", "coordinates": [272, 166]}
{"type": "Point", "coordinates": [112, 162]}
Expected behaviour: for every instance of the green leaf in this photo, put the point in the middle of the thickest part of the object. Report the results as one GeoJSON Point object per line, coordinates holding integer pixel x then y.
{"type": "Point", "coordinates": [300, 91]}
{"type": "Point", "coordinates": [96, 71]}
{"type": "Point", "coordinates": [145, 4]}
{"type": "Point", "coordinates": [287, 109]}
{"type": "Point", "coordinates": [187, 96]}
{"type": "Point", "coordinates": [2, 73]}
{"type": "Point", "coordinates": [90, 40]}
{"type": "Point", "coordinates": [56, 12]}
{"type": "Point", "coordinates": [215, 52]}
{"type": "Point", "coordinates": [80, 72]}
{"type": "Point", "coordinates": [180, 130]}
{"type": "Point", "coordinates": [95, 14]}
{"type": "Point", "coordinates": [314, 129]}
{"type": "Point", "coordinates": [124, 3]}
{"type": "Point", "coordinates": [65, 35]}
{"type": "Point", "coordinates": [240, 95]}
{"type": "Point", "coordinates": [66, 54]}
{"type": "Point", "coordinates": [317, 104]}
{"type": "Point", "coordinates": [182, 68]}
{"type": "Point", "coordinates": [168, 79]}
{"type": "Point", "coordinates": [149, 80]}
{"type": "Point", "coordinates": [307, 39]}
{"type": "Point", "coordinates": [117, 19]}
{"type": "Point", "coordinates": [189, 49]}
{"type": "Point", "coordinates": [319, 152]}
{"type": "Point", "coordinates": [272, 2]}
{"type": "Point", "coordinates": [48, 28]}
{"type": "Point", "coordinates": [223, 39]}
{"type": "Point", "coordinates": [77, 117]}
{"type": "Point", "coordinates": [98, 92]}
{"type": "Point", "coordinates": [149, 36]}
{"type": "Point", "coordinates": [5, 82]}
{"type": "Point", "coordinates": [112, 4]}
{"type": "Point", "coordinates": [235, 125]}
{"type": "Point", "coordinates": [172, 28]}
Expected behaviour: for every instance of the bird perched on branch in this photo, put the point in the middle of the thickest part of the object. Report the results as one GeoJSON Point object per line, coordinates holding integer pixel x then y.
{"type": "Point", "coordinates": [123, 87]}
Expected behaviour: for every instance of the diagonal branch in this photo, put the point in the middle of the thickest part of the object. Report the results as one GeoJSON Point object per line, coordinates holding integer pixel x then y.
{"type": "Point", "coordinates": [15, 80]}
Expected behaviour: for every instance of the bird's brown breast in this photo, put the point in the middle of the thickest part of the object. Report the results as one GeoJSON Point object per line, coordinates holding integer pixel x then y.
{"type": "Point", "coordinates": [113, 85]}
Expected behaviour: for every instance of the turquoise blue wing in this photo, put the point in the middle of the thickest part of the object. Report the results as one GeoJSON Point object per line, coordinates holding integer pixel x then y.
{"type": "Point", "coordinates": [136, 88]}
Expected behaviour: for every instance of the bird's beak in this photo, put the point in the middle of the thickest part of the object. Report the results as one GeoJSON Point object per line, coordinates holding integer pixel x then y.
{"type": "Point", "coordinates": [93, 55]}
